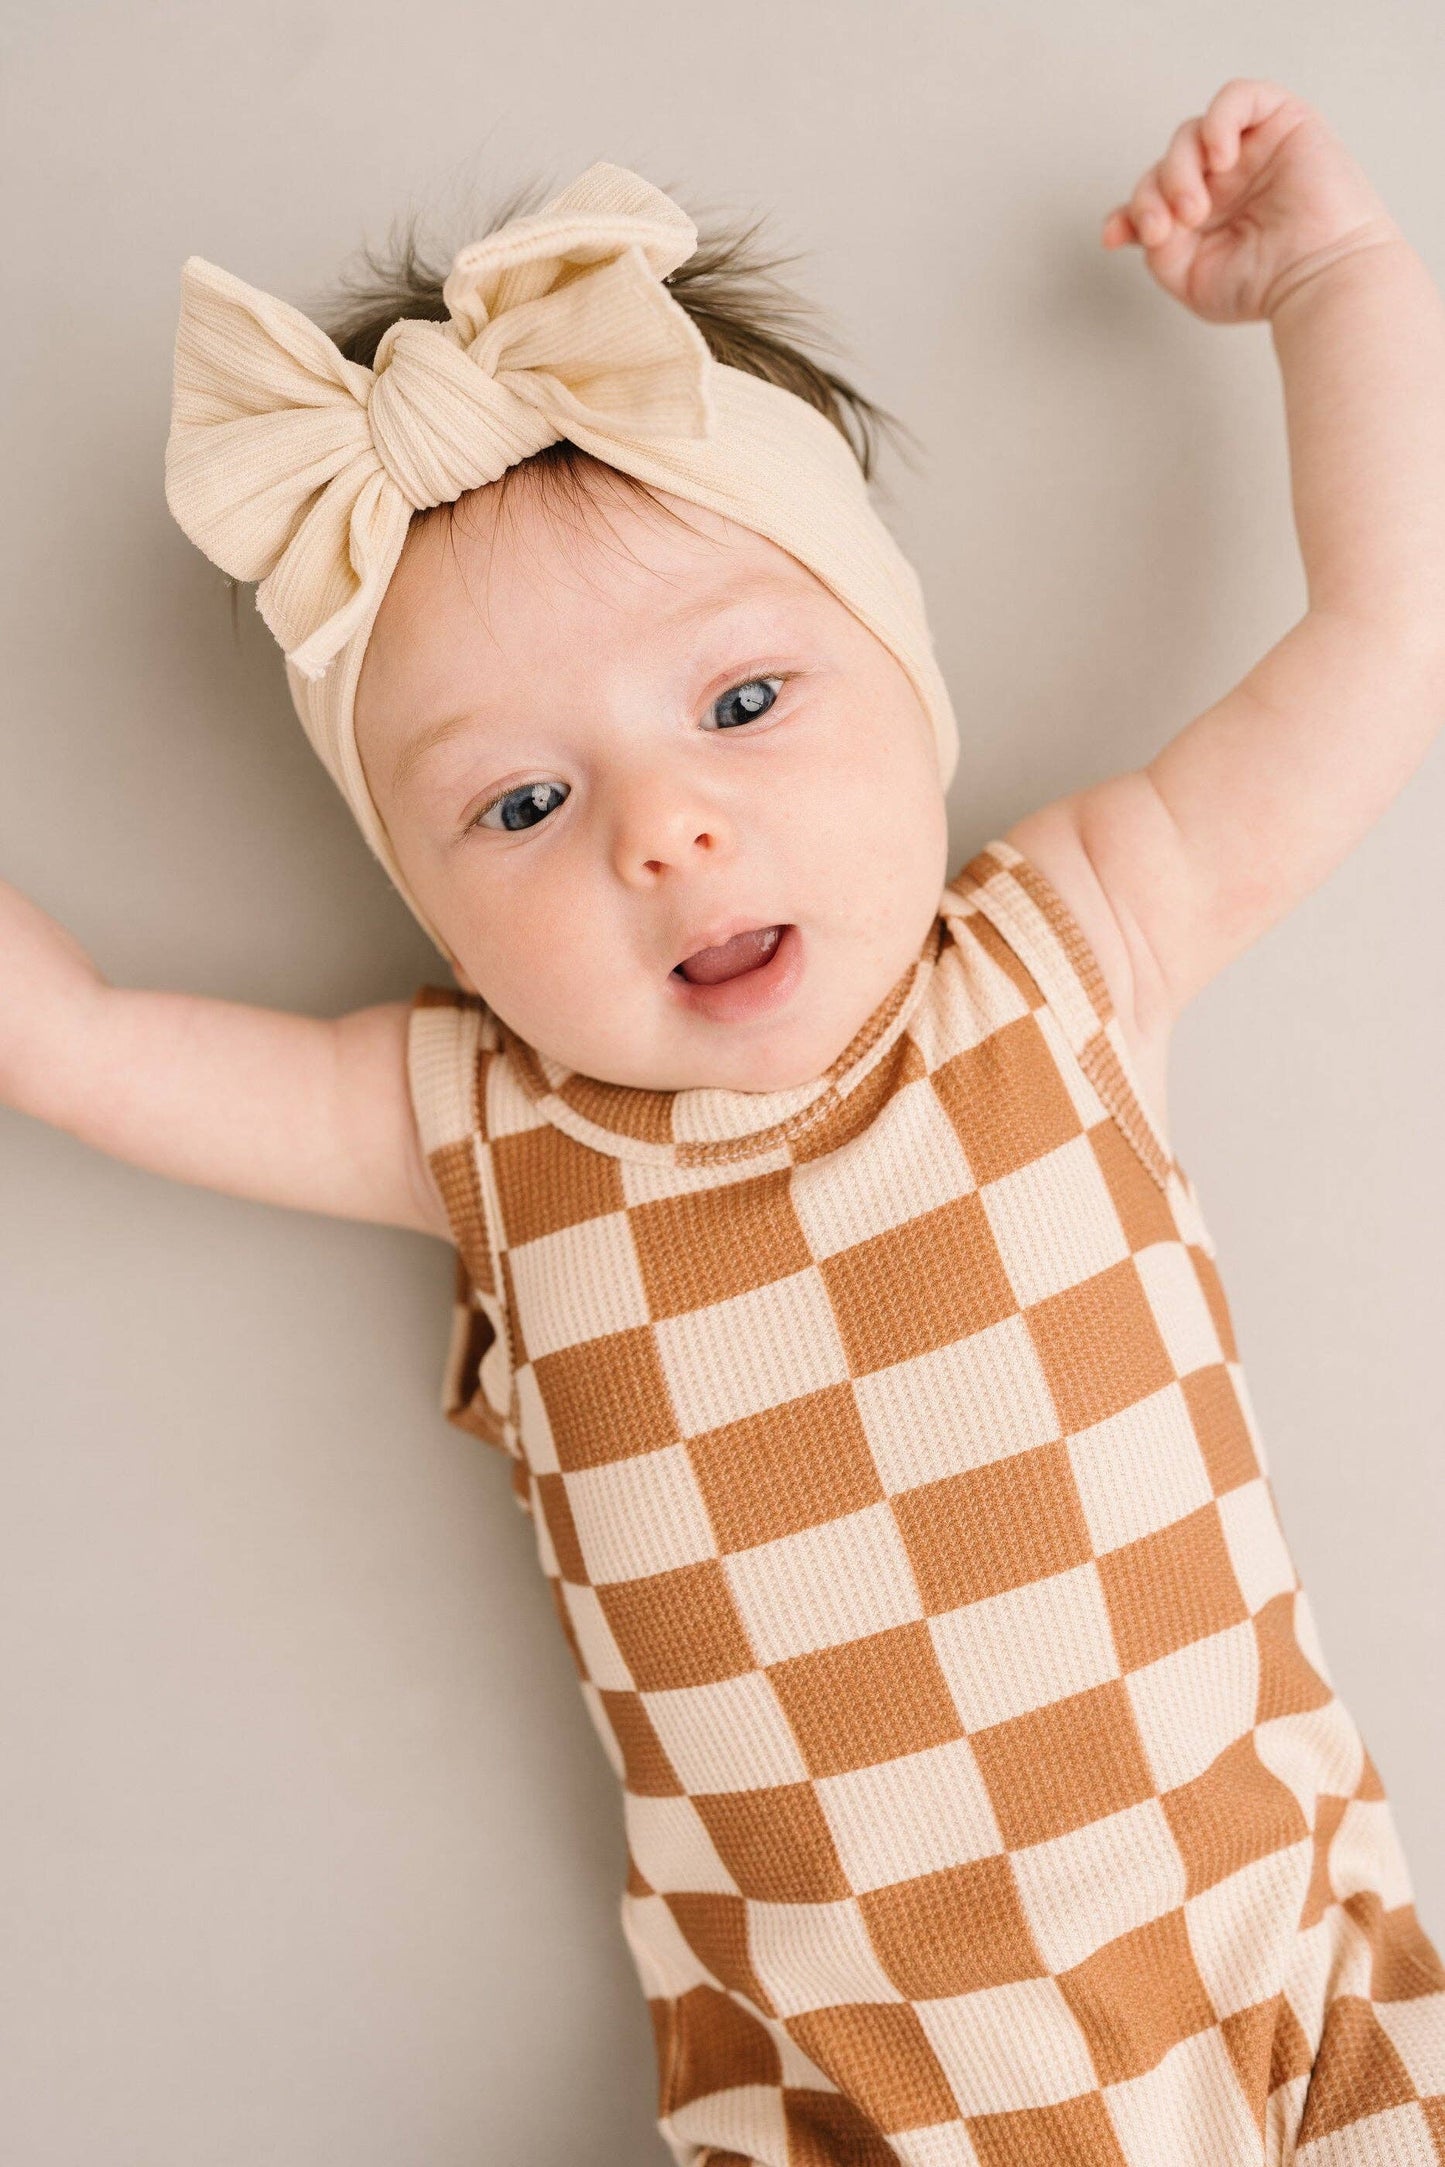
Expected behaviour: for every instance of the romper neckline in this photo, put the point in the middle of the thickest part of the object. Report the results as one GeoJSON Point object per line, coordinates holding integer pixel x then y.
{"type": "Point", "coordinates": [708, 1126]}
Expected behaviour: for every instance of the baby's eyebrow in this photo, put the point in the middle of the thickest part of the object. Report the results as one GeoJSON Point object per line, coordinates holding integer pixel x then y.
{"type": "Point", "coordinates": [415, 751]}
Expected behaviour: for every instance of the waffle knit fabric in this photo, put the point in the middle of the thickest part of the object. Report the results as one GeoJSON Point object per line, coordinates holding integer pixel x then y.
{"type": "Point", "coordinates": [986, 1796]}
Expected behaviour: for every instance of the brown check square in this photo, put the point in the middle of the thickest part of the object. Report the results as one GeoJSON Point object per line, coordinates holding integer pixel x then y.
{"type": "Point", "coordinates": [1137, 1997]}
{"type": "Point", "coordinates": [715, 1928]}
{"type": "Point", "coordinates": [714, 2045]}
{"type": "Point", "coordinates": [776, 1844]}
{"type": "Point", "coordinates": [706, 1245]}
{"type": "Point", "coordinates": [1100, 1346]}
{"type": "Point", "coordinates": [785, 1469]}
{"type": "Point", "coordinates": [954, 1931]}
{"type": "Point", "coordinates": [1057, 1767]}
{"type": "Point", "coordinates": [606, 1399]}
{"type": "Point", "coordinates": [918, 1286]}
{"type": "Point", "coordinates": [1220, 1427]}
{"type": "Point", "coordinates": [1236, 1811]}
{"type": "Point", "coordinates": [677, 1628]}
{"type": "Point", "coordinates": [880, 2053]}
{"type": "Point", "coordinates": [1006, 1100]}
{"type": "Point", "coordinates": [1077, 2133]}
{"type": "Point", "coordinates": [1170, 1588]}
{"type": "Point", "coordinates": [869, 1700]}
{"type": "Point", "coordinates": [547, 1181]}
{"type": "Point", "coordinates": [993, 1527]}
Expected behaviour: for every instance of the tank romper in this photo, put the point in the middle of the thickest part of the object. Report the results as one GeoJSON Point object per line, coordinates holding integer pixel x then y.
{"type": "Point", "coordinates": [986, 1796]}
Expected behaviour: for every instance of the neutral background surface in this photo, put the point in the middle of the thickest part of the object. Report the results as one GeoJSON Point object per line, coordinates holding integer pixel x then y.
{"type": "Point", "coordinates": [308, 1850]}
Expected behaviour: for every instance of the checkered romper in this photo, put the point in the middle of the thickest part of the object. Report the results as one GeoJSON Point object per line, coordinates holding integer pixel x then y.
{"type": "Point", "coordinates": [893, 1470]}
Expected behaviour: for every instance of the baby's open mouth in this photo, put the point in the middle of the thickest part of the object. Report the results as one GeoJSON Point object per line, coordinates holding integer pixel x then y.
{"type": "Point", "coordinates": [744, 952]}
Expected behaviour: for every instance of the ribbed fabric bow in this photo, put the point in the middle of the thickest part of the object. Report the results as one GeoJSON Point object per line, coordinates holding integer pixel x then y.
{"type": "Point", "coordinates": [292, 466]}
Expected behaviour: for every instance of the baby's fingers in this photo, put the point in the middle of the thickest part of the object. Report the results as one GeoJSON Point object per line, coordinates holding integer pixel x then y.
{"type": "Point", "coordinates": [1181, 172]}
{"type": "Point", "coordinates": [1146, 217]}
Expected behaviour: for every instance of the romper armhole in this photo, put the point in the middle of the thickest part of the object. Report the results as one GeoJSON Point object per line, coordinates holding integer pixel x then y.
{"type": "Point", "coordinates": [448, 1045]}
{"type": "Point", "coordinates": [1041, 931]}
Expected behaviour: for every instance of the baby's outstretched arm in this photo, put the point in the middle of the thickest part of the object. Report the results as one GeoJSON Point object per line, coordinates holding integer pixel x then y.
{"type": "Point", "coordinates": [1257, 212]}
{"type": "Point", "coordinates": [305, 1111]}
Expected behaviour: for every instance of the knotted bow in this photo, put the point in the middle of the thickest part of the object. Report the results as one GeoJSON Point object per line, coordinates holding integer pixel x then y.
{"type": "Point", "coordinates": [292, 466]}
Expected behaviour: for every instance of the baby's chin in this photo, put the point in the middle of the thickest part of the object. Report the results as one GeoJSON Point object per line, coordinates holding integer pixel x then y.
{"type": "Point", "coordinates": [771, 1057]}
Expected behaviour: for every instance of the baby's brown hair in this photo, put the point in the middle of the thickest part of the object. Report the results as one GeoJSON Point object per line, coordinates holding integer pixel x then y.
{"type": "Point", "coordinates": [748, 317]}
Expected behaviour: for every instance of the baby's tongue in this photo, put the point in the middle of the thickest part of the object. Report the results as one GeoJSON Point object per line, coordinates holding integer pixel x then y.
{"type": "Point", "coordinates": [744, 952]}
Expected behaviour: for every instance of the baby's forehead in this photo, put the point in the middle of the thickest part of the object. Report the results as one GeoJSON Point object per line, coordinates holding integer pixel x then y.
{"type": "Point", "coordinates": [471, 623]}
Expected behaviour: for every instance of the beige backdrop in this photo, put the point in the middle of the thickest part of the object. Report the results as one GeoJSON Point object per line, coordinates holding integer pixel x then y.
{"type": "Point", "coordinates": [309, 1853]}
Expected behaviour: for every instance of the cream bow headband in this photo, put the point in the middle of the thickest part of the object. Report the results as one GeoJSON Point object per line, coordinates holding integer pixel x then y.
{"type": "Point", "coordinates": [292, 466]}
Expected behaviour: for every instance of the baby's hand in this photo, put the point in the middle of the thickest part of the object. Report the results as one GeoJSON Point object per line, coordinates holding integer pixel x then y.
{"type": "Point", "coordinates": [1251, 198]}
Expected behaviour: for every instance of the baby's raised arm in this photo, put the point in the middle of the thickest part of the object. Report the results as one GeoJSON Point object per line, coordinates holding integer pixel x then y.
{"type": "Point", "coordinates": [1257, 213]}
{"type": "Point", "coordinates": [304, 1111]}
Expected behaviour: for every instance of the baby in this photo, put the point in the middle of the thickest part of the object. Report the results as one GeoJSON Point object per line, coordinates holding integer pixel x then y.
{"type": "Point", "coordinates": [823, 1265]}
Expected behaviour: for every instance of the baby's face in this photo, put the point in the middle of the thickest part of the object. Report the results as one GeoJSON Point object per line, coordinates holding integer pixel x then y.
{"type": "Point", "coordinates": [600, 747]}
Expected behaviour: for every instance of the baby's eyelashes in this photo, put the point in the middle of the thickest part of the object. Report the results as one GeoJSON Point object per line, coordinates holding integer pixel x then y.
{"type": "Point", "coordinates": [748, 705]}
{"type": "Point", "coordinates": [522, 808]}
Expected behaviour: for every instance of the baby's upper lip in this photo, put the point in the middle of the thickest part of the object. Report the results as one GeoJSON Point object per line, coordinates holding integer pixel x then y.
{"type": "Point", "coordinates": [720, 932]}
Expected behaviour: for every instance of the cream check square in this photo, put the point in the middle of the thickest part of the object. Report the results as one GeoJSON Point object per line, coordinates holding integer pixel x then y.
{"type": "Point", "coordinates": [797, 2071]}
{"type": "Point", "coordinates": [1179, 1307]}
{"type": "Point", "coordinates": [1140, 1469]}
{"type": "Point", "coordinates": [815, 1956]}
{"type": "Point", "coordinates": [1193, 2093]}
{"type": "Point", "coordinates": [1238, 1964]}
{"type": "Point", "coordinates": [1354, 1957]}
{"type": "Point", "coordinates": [640, 1516]}
{"type": "Point", "coordinates": [447, 1087]}
{"type": "Point", "coordinates": [1005, 2048]}
{"type": "Point", "coordinates": [601, 1721]}
{"type": "Point", "coordinates": [1399, 2136]}
{"type": "Point", "coordinates": [754, 1351]}
{"type": "Point", "coordinates": [965, 1008]}
{"type": "Point", "coordinates": [536, 1430]}
{"type": "Point", "coordinates": [1366, 1855]}
{"type": "Point", "coordinates": [1099, 1881]}
{"type": "Point", "coordinates": [1255, 1542]}
{"type": "Point", "coordinates": [510, 1111]}
{"type": "Point", "coordinates": [1416, 2030]}
{"type": "Point", "coordinates": [747, 2119]}
{"type": "Point", "coordinates": [1054, 1222]}
{"type": "Point", "coordinates": [600, 1652]}
{"type": "Point", "coordinates": [666, 1961]}
{"type": "Point", "coordinates": [840, 1581]}
{"type": "Point", "coordinates": [732, 1736]}
{"type": "Point", "coordinates": [1318, 1753]}
{"type": "Point", "coordinates": [928, 1169]}
{"type": "Point", "coordinates": [1306, 1632]}
{"type": "Point", "coordinates": [916, 1815]}
{"type": "Point", "coordinates": [1017, 1651]}
{"type": "Point", "coordinates": [546, 1550]}
{"type": "Point", "coordinates": [672, 1848]}
{"type": "Point", "coordinates": [578, 1283]}
{"type": "Point", "coordinates": [942, 2144]}
{"type": "Point", "coordinates": [961, 1406]}
{"type": "Point", "coordinates": [1191, 1705]}
{"type": "Point", "coordinates": [1087, 1103]}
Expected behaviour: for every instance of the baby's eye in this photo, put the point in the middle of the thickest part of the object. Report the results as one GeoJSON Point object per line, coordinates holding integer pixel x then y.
{"type": "Point", "coordinates": [522, 808]}
{"type": "Point", "coordinates": [751, 700]}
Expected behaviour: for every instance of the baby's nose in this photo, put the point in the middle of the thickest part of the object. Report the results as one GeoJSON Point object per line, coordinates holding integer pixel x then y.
{"type": "Point", "coordinates": [665, 827]}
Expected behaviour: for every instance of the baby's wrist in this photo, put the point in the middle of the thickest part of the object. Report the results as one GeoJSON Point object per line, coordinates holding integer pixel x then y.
{"type": "Point", "coordinates": [1323, 269]}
